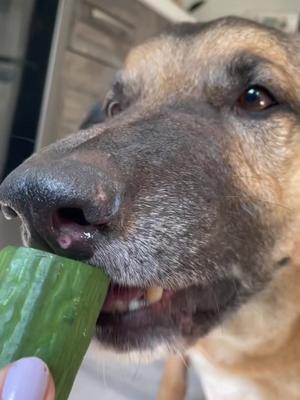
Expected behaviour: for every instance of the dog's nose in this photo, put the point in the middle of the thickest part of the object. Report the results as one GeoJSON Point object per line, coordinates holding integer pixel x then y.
{"type": "Point", "coordinates": [63, 203]}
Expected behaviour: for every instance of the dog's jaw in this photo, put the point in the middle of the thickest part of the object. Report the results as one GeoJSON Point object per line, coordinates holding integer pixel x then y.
{"type": "Point", "coordinates": [180, 317]}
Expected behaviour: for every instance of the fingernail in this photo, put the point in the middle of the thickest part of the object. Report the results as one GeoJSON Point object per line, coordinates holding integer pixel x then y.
{"type": "Point", "coordinates": [27, 379]}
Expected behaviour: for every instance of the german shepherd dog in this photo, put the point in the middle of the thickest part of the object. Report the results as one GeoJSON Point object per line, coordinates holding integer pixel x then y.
{"type": "Point", "coordinates": [187, 196]}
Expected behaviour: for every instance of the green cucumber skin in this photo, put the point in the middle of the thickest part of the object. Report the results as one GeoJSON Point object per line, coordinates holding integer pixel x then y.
{"type": "Point", "coordinates": [48, 308]}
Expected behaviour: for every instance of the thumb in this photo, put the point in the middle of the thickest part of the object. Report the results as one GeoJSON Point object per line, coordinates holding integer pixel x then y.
{"type": "Point", "coordinates": [27, 379]}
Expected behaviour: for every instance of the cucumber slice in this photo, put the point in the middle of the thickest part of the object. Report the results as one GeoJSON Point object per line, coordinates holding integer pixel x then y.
{"type": "Point", "coordinates": [48, 308]}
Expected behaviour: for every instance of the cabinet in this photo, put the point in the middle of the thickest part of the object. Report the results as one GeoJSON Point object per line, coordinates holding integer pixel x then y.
{"type": "Point", "coordinates": [14, 27]}
{"type": "Point", "coordinates": [93, 39]}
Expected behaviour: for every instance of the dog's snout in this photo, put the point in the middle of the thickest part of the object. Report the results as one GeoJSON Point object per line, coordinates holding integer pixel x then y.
{"type": "Point", "coordinates": [64, 203]}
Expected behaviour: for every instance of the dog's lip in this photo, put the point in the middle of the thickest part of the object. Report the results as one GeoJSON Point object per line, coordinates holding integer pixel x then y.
{"type": "Point", "coordinates": [184, 313]}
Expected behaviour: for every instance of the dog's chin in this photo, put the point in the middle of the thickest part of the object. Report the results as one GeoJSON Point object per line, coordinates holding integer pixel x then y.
{"type": "Point", "coordinates": [144, 320]}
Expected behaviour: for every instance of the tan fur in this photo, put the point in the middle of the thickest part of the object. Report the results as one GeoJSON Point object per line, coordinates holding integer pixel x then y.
{"type": "Point", "coordinates": [260, 343]}
{"type": "Point", "coordinates": [166, 55]}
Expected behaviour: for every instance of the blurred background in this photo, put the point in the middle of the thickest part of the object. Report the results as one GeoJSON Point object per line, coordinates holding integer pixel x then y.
{"type": "Point", "coordinates": [57, 60]}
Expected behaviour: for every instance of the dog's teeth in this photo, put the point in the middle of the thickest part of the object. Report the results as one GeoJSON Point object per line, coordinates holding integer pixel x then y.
{"type": "Point", "coordinates": [136, 304]}
{"type": "Point", "coordinates": [154, 294]}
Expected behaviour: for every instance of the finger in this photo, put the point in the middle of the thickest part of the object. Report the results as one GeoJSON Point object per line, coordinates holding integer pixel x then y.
{"type": "Point", "coordinates": [50, 392]}
{"type": "Point", "coordinates": [26, 379]}
{"type": "Point", "coordinates": [3, 373]}
{"type": "Point", "coordinates": [174, 380]}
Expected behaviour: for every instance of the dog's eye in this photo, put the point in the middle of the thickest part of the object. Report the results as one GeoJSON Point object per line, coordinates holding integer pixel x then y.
{"type": "Point", "coordinates": [255, 99]}
{"type": "Point", "coordinates": [113, 108]}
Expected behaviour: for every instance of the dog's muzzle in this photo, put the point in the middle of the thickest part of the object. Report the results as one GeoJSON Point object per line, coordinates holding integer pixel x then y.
{"type": "Point", "coordinates": [62, 203]}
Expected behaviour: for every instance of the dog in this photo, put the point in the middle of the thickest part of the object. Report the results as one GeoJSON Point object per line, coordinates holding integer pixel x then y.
{"type": "Point", "coordinates": [187, 196]}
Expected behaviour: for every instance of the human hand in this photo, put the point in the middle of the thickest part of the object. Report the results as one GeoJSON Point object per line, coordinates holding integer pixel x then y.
{"type": "Point", "coordinates": [26, 379]}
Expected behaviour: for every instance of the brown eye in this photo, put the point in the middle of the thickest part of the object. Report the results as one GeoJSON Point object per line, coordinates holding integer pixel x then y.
{"type": "Point", "coordinates": [113, 108]}
{"type": "Point", "coordinates": [255, 99]}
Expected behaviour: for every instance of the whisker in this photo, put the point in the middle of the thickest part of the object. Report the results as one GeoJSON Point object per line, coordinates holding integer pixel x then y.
{"type": "Point", "coordinates": [261, 200]}
{"type": "Point", "coordinates": [25, 139]}
{"type": "Point", "coordinates": [216, 302]}
{"type": "Point", "coordinates": [104, 374]}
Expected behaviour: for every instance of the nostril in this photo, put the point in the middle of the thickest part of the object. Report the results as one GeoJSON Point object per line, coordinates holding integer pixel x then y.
{"type": "Point", "coordinates": [71, 214]}
{"type": "Point", "coordinates": [8, 212]}
{"type": "Point", "coordinates": [71, 231]}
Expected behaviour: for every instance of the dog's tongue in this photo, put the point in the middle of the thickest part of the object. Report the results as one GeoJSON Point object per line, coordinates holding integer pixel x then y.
{"type": "Point", "coordinates": [119, 297]}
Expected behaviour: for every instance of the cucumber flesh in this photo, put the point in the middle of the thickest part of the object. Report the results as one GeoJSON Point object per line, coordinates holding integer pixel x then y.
{"type": "Point", "coordinates": [49, 306]}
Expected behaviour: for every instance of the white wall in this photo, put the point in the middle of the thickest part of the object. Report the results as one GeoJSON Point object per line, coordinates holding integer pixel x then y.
{"type": "Point", "coordinates": [218, 8]}
{"type": "Point", "coordinates": [169, 10]}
